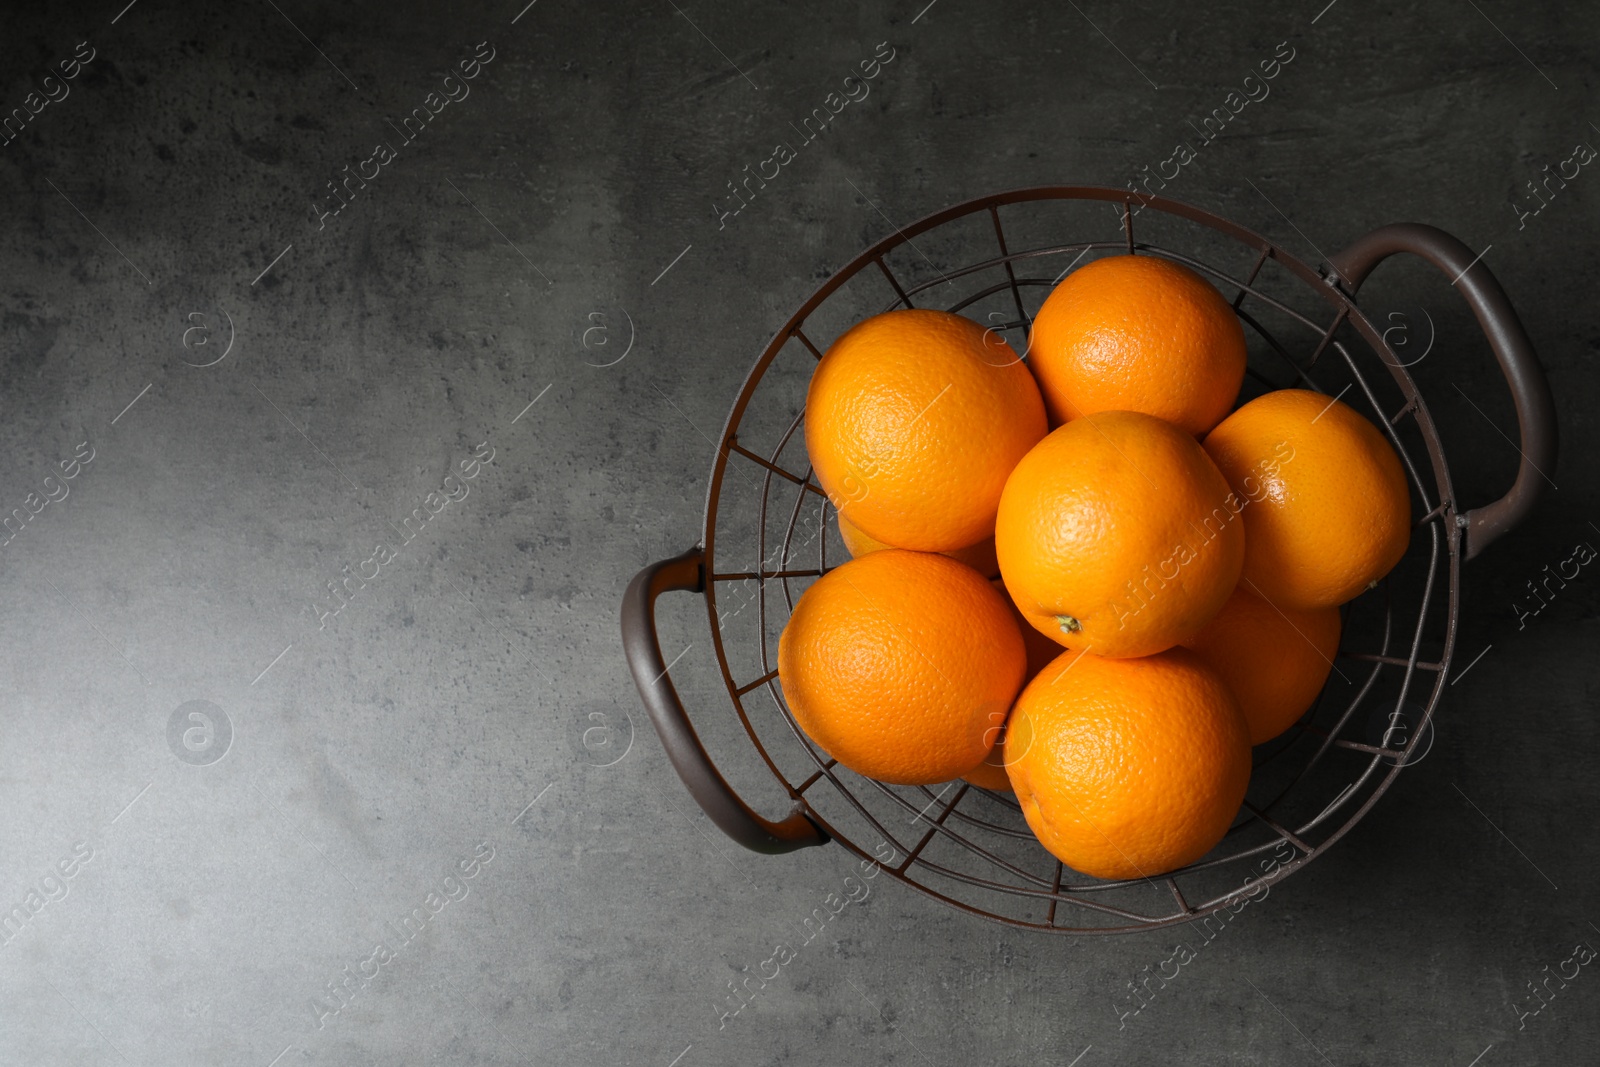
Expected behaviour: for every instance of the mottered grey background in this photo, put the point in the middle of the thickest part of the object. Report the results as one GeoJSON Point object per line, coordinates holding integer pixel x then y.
{"type": "Point", "coordinates": [225, 385]}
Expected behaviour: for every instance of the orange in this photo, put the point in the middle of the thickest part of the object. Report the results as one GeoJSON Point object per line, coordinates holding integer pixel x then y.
{"type": "Point", "coordinates": [895, 663]}
{"type": "Point", "coordinates": [1042, 650]}
{"type": "Point", "coordinates": [913, 423]}
{"type": "Point", "coordinates": [980, 557]}
{"type": "Point", "coordinates": [1275, 660]}
{"type": "Point", "coordinates": [1127, 768]}
{"type": "Point", "coordinates": [991, 773]}
{"type": "Point", "coordinates": [1138, 333]}
{"type": "Point", "coordinates": [1117, 534]}
{"type": "Point", "coordinates": [1327, 508]}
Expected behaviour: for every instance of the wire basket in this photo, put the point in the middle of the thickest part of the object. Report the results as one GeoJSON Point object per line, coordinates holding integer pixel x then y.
{"type": "Point", "coordinates": [770, 531]}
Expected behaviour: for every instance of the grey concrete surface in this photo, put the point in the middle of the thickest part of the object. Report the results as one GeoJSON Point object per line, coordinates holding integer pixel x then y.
{"type": "Point", "coordinates": [267, 389]}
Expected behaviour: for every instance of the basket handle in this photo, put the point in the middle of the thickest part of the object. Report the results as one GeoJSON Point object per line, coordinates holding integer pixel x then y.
{"type": "Point", "coordinates": [1530, 391]}
{"type": "Point", "coordinates": [710, 790]}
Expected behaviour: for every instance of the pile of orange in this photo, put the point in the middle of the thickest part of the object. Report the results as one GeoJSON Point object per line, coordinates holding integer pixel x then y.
{"type": "Point", "coordinates": [1085, 576]}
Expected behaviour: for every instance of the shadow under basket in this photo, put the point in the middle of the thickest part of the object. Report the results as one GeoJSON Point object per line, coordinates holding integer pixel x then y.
{"type": "Point", "coordinates": [770, 531]}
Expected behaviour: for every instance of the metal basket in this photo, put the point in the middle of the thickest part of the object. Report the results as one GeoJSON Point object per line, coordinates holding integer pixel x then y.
{"type": "Point", "coordinates": [970, 847]}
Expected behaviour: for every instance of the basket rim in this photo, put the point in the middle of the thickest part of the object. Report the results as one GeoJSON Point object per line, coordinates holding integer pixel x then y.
{"type": "Point", "coordinates": [1441, 518]}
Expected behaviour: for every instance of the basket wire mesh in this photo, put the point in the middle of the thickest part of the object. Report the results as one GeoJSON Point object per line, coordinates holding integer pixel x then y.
{"type": "Point", "coordinates": [970, 847]}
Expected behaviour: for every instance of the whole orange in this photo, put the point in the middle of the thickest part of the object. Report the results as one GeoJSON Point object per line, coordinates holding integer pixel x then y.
{"type": "Point", "coordinates": [895, 664]}
{"type": "Point", "coordinates": [913, 421]}
{"type": "Point", "coordinates": [1117, 534]}
{"type": "Point", "coordinates": [1128, 768]}
{"type": "Point", "coordinates": [980, 557]}
{"type": "Point", "coordinates": [1275, 660]}
{"type": "Point", "coordinates": [1327, 508]}
{"type": "Point", "coordinates": [1138, 333]}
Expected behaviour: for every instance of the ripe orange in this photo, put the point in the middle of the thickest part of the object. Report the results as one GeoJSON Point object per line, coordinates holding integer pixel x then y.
{"type": "Point", "coordinates": [1127, 768]}
{"type": "Point", "coordinates": [1117, 534]}
{"type": "Point", "coordinates": [1138, 333]}
{"type": "Point", "coordinates": [1042, 650]}
{"type": "Point", "coordinates": [1275, 660]}
{"type": "Point", "coordinates": [913, 423]}
{"type": "Point", "coordinates": [980, 557]}
{"type": "Point", "coordinates": [1328, 511]}
{"type": "Point", "coordinates": [894, 663]}
{"type": "Point", "coordinates": [991, 773]}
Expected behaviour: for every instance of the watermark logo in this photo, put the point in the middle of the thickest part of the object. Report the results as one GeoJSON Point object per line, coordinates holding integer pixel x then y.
{"type": "Point", "coordinates": [52, 887]}
{"type": "Point", "coordinates": [55, 491]}
{"type": "Point", "coordinates": [994, 341]}
{"type": "Point", "coordinates": [597, 337]}
{"type": "Point", "coordinates": [604, 737]}
{"type": "Point", "coordinates": [853, 487]}
{"type": "Point", "coordinates": [1541, 994]}
{"type": "Point", "coordinates": [454, 488]}
{"type": "Point", "coordinates": [199, 732]}
{"type": "Point", "coordinates": [1255, 90]}
{"type": "Point", "coordinates": [347, 184]}
{"type": "Point", "coordinates": [52, 90]}
{"type": "Point", "coordinates": [744, 991]}
{"type": "Point", "coordinates": [1393, 728]}
{"type": "Point", "coordinates": [1146, 984]}
{"type": "Point", "coordinates": [1256, 486]}
{"type": "Point", "coordinates": [1550, 184]}
{"type": "Point", "coordinates": [197, 338]}
{"type": "Point", "coordinates": [856, 89]}
{"type": "Point", "coordinates": [741, 594]}
{"type": "Point", "coordinates": [341, 991]}
{"type": "Point", "coordinates": [1402, 343]}
{"type": "Point", "coordinates": [1542, 593]}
